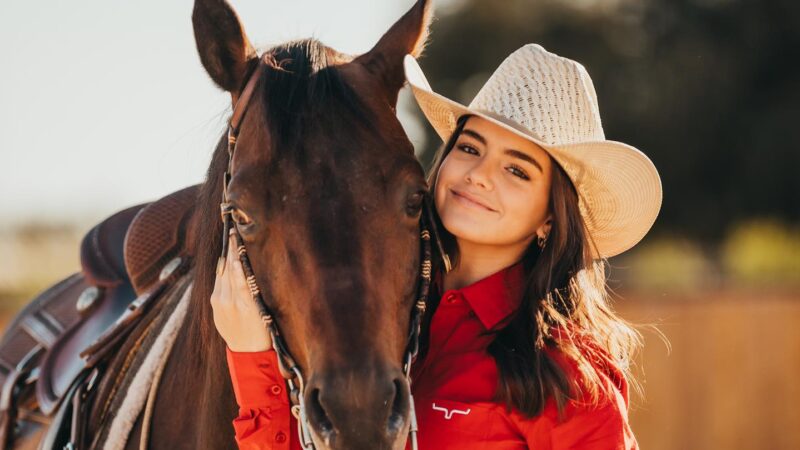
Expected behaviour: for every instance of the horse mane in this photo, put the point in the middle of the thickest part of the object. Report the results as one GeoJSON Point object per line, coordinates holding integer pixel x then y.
{"type": "Point", "coordinates": [300, 83]}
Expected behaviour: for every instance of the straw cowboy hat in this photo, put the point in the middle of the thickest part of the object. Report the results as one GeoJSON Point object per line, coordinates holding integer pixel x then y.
{"type": "Point", "coordinates": [550, 100]}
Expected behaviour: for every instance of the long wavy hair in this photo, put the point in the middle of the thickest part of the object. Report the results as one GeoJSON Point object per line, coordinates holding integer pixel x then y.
{"type": "Point", "coordinates": [565, 308]}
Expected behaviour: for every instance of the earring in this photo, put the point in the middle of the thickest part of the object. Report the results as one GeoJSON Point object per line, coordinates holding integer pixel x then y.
{"type": "Point", "coordinates": [541, 241]}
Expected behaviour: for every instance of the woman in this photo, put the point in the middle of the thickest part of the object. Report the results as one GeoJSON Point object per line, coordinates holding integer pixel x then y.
{"type": "Point", "coordinates": [521, 349]}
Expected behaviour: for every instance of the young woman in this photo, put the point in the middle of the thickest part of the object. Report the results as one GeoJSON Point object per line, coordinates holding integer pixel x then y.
{"type": "Point", "coordinates": [521, 348]}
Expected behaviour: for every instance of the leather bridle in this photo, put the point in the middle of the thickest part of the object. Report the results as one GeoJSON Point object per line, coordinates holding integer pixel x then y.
{"type": "Point", "coordinates": [288, 367]}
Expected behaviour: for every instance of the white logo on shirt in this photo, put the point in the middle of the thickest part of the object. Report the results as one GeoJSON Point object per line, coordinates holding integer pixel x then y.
{"type": "Point", "coordinates": [448, 413]}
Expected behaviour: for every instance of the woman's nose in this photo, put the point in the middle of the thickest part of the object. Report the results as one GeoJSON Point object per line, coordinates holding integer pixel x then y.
{"type": "Point", "coordinates": [480, 174]}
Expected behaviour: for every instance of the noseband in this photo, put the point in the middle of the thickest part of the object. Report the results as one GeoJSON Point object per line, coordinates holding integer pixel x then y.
{"type": "Point", "coordinates": [288, 367]}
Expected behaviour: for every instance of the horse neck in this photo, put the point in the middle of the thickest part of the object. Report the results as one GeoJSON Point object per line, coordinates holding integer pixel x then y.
{"type": "Point", "coordinates": [197, 408]}
{"type": "Point", "coordinates": [205, 351]}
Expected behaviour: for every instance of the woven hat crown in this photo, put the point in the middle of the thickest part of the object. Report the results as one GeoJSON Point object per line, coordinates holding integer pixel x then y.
{"type": "Point", "coordinates": [552, 97]}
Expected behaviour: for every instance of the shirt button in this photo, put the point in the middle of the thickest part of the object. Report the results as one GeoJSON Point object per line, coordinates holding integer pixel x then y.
{"type": "Point", "coordinates": [451, 298]}
{"type": "Point", "coordinates": [275, 389]}
{"type": "Point", "coordinates": [280, 437]}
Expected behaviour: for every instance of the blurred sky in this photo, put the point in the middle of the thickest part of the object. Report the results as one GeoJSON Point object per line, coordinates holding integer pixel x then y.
{"type": "Point", "coordinates": [104, 103]}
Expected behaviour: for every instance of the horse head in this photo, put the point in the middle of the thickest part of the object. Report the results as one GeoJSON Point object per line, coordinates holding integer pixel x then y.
{"type": "Point", "coordinates": [326, 194]}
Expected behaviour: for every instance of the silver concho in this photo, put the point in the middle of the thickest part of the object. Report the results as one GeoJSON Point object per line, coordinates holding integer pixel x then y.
{"type": "Point", "coordinates": [87, 298]}
{"type": "Point", "coordinates": [170, 267]}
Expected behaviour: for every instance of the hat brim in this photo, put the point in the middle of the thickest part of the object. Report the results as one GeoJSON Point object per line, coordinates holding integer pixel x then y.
{"type": "Point", "coordinates": [619, 188]}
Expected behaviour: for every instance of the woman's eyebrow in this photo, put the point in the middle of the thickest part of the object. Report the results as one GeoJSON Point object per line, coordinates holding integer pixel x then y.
{"type": "Point", "coordinates": [525, 157]}
{"type": "Point", "coordinates": [475, 135]}
{"type": "Point", "coordinates": [511, 152]}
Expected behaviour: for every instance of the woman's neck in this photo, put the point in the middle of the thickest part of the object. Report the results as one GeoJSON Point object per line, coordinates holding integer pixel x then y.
{"type": "Point", "coordinates": [477, 261]}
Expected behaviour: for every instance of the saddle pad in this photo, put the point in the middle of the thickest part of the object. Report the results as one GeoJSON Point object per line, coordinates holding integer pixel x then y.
{"type": "Point", "coordinates": [154, 353]}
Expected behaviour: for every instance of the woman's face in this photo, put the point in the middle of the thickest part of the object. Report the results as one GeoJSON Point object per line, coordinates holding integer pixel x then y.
{"type": "Point", "coordinates": [493, 187]}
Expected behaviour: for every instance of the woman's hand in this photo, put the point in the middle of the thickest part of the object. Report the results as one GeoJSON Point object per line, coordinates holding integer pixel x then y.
{"type": "Point", "coordinates": [236, 315]}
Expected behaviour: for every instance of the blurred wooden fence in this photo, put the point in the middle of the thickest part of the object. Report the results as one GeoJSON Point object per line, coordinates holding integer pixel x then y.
{"type": "Point", "coordinates": [731, 379]}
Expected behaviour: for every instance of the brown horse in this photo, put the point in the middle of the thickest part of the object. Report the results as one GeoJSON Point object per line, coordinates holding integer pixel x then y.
{"type": "Point", "coordinates": [327, 195]}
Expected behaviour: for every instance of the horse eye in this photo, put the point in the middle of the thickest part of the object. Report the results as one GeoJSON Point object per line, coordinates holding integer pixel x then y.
{"type": "Point", "coordinates": [414, 203]}
{"type": "Point", "coordinates": [241, 218]}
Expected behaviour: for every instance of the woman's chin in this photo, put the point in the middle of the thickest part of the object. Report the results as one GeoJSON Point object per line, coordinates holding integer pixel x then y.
{"type": "Point", "coordinates": [469, 230]}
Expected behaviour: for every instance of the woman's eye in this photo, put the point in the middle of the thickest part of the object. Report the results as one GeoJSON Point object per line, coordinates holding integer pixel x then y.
{"type": "Point", "coordinates": [517, 172]}
{"type": "Point", "coordinates": [467, 149]}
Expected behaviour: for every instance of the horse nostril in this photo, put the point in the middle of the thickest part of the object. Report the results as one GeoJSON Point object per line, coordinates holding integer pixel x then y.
{"type": "Point", "coordinates": [370, 412]}
{"type": "Point", "coordinates": [318, 416]}
{"type": "Point", "coordinates": [400, 407]}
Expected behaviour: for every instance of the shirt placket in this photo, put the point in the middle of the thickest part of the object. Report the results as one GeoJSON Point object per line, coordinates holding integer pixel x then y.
{"type": "Point", "coordinates": [449, 316]}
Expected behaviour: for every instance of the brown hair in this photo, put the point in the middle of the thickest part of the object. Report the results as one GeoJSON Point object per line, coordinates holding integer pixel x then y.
{"type": "Point", "coordinates": [565, 308]}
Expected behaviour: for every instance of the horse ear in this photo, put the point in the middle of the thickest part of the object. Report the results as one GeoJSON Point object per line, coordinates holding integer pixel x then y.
{"type": "Point", "coordinates": [407, 35]}
{"type": "Point", "coordinates": [223, 46]}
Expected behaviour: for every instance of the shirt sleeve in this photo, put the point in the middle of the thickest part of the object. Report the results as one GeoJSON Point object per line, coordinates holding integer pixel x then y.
{"type": "Point", "coordinates": [264, 414]}
{"type": "Point", "coordinates": [595, 427]}
{"type": "Point", "coordinates": [600, 426]}
{"type": "Point", "coordinates": [586, 424]}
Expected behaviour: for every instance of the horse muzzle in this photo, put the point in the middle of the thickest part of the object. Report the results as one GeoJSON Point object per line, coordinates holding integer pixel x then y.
{"type": "Point", "coordinates": [366, 409]}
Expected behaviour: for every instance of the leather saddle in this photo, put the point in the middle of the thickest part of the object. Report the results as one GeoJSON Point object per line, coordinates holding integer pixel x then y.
{"type": "Point", "coordinates": [126, 261]}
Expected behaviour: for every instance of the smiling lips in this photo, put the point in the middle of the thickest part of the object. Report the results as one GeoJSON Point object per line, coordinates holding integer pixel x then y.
{"type": "Point", "coordinates": [470, 200]}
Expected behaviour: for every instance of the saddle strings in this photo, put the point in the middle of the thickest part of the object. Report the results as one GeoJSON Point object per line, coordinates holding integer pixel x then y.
{"type": "Point", "coordinates": [288, 367]}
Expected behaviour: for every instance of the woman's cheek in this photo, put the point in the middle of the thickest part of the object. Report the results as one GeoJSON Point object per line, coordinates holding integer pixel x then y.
{"type": "Point", "coordinates": [515, 204]}
{"type": "Point", "coordinates": [529, 211]}
{"type": "Point", "coordinates": [442, 182]}
{"type": "Point", "coordinates": [439, 195]}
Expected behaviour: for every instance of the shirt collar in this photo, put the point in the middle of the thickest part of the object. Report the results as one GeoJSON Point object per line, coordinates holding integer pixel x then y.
{"type": "Point", "coordinates": [496, 297]}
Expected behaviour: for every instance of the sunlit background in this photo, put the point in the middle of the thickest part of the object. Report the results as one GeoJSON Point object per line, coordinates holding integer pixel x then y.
{"type": "Point", "coordinates": [104, 104]}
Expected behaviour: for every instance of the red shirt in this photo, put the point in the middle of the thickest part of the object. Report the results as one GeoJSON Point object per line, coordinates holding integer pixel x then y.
{"type": "Point", "coordinates": [454, 388]}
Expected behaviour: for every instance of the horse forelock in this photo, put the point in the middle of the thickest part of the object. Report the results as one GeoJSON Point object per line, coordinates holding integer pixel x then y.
{"type": "Point", "coordinates": [301, 86]}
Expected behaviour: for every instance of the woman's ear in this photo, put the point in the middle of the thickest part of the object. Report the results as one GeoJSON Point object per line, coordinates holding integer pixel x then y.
{"type": "Point", "coordinates": [544, 230]}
